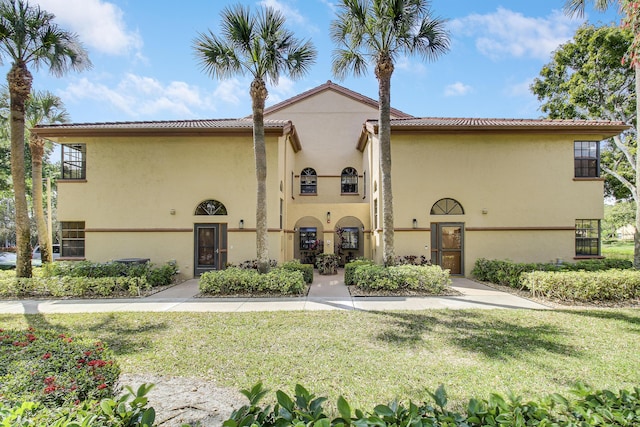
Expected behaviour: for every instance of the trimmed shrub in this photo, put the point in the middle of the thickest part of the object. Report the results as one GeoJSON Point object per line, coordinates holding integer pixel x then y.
{"type": "Point", "coordinates": [296, 265]}
{"type": "Point", "coordinates": [412, 260]}
{"type": "Point", "coordinates": [350, 268]}
{"type": "Point", "coordinates": [611, 285]}
{"type": "Point", "coordinates": [429, 279]}
{"type": "Point", "coordinates": [507, 273]}
{"type": "Point", "coordinates": [155, 275]}
{"type": "Point", "coordinates": [252, 264]}
{"type": "Point", "coordinates": [72, 286]}
{"type": "Point", "coordinates": [235, 280]}
{"type": "Point", "coordinates": [54, 369]}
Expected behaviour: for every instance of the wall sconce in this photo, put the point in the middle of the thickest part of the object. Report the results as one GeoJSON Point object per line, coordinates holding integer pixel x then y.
{"type": "Point", "coordinates": [485, 211]}
{"type": "Point", "coordinates": [241, 225]}
{"type": "Point", "coordinates": [415, 223]}
{"type": "Point", "coordinates": [172, 211]}
{"type": "Point", "coordinates": [362, 228]}
{"type": "Point", "coordinates": [328, 217]}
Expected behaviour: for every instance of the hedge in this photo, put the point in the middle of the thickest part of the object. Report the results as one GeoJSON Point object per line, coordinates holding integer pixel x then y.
{"type": "Point", "coordinates": [507, 273]}
{"type": "Point", "coordinates": [235, 280]}
{"type": "Point", "coordinates": [70, 286]}
{"type": "Point", "coordinates": [429, 279]}
{"type": "Point", "coordinates": [305, 269]}
{"type": "Point", "coordinates": [582, 286]}
{"type": "Point", "coordinates": [155, 275]}
{"type": "Point", "coordinates": [350, 269]}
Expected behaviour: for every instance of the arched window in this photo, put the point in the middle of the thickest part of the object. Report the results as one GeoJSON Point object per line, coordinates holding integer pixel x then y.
{"type": "Point", "coordinates": [211, 207]}
{"type": "Point", "coordinates": [447, 207]}
{"type": "Point", "coordinates": [349, 181]}
{"type": "Point", "coordinates": [308, 181]}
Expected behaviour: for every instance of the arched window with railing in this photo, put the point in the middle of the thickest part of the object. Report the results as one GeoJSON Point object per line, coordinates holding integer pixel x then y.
{"type": "Point", "coordinates": [447, 206]}
{"type": "Point", "coordinates": [349, 181]}
{"type": "Point", "coordinates": [308, 181]}
{"type": "Point", "coordinates": [211, 207]}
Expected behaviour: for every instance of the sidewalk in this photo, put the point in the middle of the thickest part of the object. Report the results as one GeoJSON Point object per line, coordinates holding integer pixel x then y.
{"type": "Point", "coordinates": [326, 293]}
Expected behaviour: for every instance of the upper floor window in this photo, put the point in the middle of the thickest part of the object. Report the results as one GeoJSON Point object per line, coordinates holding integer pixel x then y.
{"type": "Point", "coordinates": [74, 161]}
{"type": "Point", "coordinates": [349, 181]}
{"type": "Point", "coordinates": [72, 239]}
{"type": "Point", "coordinates": [211, 207]}
{"type": "Point", "coordinates": [586, 159]}
{"type": "Point", "coordinates": [308, 181]}
{"type": "Point", "coordinates": [447, 207]}
{"type": "Point", "coordinates": [587, 237]}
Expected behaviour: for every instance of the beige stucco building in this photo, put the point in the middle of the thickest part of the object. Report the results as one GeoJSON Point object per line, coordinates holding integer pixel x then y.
{"type": "Point", "coordinates": [526, 190]}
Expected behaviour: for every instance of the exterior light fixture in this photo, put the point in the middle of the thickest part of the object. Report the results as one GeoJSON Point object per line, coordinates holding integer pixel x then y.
{"type": "Point", "coordinates": [241, 225]}
{"type": "Point", "coordinates": [328, 217]}
{"type": "Point", "coordinates": [172, 211]}
{"type": "Point", "coordinates": [415, 223]}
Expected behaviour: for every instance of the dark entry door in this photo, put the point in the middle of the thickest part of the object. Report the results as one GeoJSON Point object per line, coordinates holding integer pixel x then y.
{"type": "Point", "coordinates": [210, 247]}
{"type": "Point", "coordinates": [447, 243]}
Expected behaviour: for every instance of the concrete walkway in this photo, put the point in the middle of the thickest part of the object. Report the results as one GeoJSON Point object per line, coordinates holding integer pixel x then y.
{"type": "Point", "coordinates": [326, 293]}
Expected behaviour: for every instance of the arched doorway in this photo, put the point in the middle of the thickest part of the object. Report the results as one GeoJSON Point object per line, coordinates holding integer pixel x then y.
{"type": "Point", "coordinates": [308, 239]}
{"type": "Point", "coordinates": [349, 239]}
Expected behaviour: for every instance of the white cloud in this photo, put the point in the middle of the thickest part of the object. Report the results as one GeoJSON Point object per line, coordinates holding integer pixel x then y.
{"type": "Point", "coordinates": [232, 91]}
{"type": "Point", "coordinates": [506, 33]}
{"type": "Point", "coordinates": [141, 97]}
{"type": "Point", "coordinates": [405, 64]}
{"type": "Point", "coordinates": [519, 89]}
{"type": "Point", "coordinates": [284, 90]}
{"type": "Point", "coordinates": [290, 13]}
{"type": "Point", "coordinates": [99, 24]}
{"type": "Point", "coordinates": [457, 89]}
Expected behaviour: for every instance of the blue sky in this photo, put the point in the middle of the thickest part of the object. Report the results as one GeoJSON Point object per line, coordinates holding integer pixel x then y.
{"type": "Point", "coordinates": [144, 67]}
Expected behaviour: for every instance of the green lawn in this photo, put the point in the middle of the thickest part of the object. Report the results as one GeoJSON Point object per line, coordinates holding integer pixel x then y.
{"type": "Point", "coordinates": [618, 249]}
{"type": "Point", "coordinates": [373, 357]}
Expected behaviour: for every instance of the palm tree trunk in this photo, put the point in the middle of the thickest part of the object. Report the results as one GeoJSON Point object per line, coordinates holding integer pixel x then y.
{"type": "Point", "coordinates": [384, 70]}
{"type": "Point", "coordinates": [258, 96]}
{"type": "Point", "coordinates": [636, 251]}
{"type": "Point", "coordinates": [20, 79]}
{"type": "Point", "coordinates": [36, 146]}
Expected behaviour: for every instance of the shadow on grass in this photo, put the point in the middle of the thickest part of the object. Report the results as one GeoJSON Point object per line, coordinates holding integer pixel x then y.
{"type": "Point", "coordinates": [630, 317]}
{"type": "Point", "coordinates": [490, 336]}
{"type": "Point", "coordinates": [123, 335]}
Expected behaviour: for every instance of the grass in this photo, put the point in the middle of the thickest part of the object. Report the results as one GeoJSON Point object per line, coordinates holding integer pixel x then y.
{"type": "Point", "coordinates": [618, 249]}
{"type": "Point", "coordinates": [373, 357]}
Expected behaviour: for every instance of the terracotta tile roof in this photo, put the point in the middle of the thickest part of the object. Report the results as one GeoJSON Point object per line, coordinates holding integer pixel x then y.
{"type": "Point", "coordinates": [329, 85]}
{"type": "Point", "coordinates": [497, 123]}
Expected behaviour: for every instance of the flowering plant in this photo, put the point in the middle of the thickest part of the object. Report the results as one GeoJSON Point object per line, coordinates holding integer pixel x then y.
{"type": "Point", "coordinates": [53, 368]}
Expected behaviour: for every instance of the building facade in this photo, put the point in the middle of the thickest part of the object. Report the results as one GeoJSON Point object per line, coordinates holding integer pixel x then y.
{"type": "Point", "coordinates": [526, 190]}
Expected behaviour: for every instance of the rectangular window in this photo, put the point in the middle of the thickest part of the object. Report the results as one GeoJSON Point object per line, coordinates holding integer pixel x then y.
{"type": "Point", "coordinates": [308, 238]}
{"type": "Point", "coordinates": [587, 237]}
{"type": "Point", "coordinates": [74, 164]}
{"type": "Point", "coordinates": [375, 214]}
{"type": "Point", "coordinates": [586, 159]}
{"type": "Point", "coordinates": [350, 238]}
{"type": "Point", "coordinates": [281, 213]}
{"type": "Point", "coordinates": [73, 239]}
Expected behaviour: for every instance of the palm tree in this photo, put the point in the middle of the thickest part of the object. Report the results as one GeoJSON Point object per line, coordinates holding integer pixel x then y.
{"type": "Point", "coordinates": [631, 11]}
{"type": "Point", "coordinates": [42, 108]}
{"type": "Point", "coordinates": [377, 32]}
{"type": "Point", "coordinates": [261, 46]}
{"type": "Point", "coordinates": [28, 36]}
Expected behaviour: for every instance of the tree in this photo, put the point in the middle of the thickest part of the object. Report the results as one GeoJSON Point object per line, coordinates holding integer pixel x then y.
{"type": "Point", "coordinates": [617, 216]}
{"type": "Point", "coordinates": [631, 21]}
{"type": "Point", "coordinates": [29, 37]}
{"type": "Point", "coordinates": [587, 80]}
{"type": "Point", "coordinates": [42, 108]}
{"type": "Point", "coordinates": [377, 32]}
{"type": "Point", "coordinates": [261, 46]}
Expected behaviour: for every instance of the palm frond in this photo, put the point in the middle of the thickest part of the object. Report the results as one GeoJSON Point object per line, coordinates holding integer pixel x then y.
{"type": "Point", "coordinates": [577, 7]}
{"type": "Point", "coordinates": [215, 57]}
{"type": "Point", "coordinates": [346, 62]}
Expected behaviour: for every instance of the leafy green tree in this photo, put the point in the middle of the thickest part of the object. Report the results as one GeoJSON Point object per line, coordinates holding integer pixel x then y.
{"type": "Point", "coordinates": [29, 37]}
{"type": "Point", "coordinates": [616, 216]}
{"type": "Point", "coordinates": [261, 46]}
{"type": "Point", "coordinates": [631, 21]}
{"type": "Point", "coordinates": [587, 80]}
{"type": "Point", "coordinates": [43, 108]}
{"type": "Point", "coordinates": [377, 32]}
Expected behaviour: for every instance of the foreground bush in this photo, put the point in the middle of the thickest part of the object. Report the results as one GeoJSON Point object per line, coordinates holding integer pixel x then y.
{"type": "Point", "coordinates": [350, 269]}
{"type": "Point", "coordinates": [589, 408]}
{"type": "Point", "coordinates": [507, 273]}
{"type": "Point", "coordinates": [235, 280]}
{"type": "Point", "coordinates": [582, 286]}
{"type": "Point", "coordinates": [54, 369]}
{"type": "Point", "coordinates": [130, 410]}
{"type": "Point", "coordinates": [305, 269]}
{"type": "Point", "coordinates": [429, 279]}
